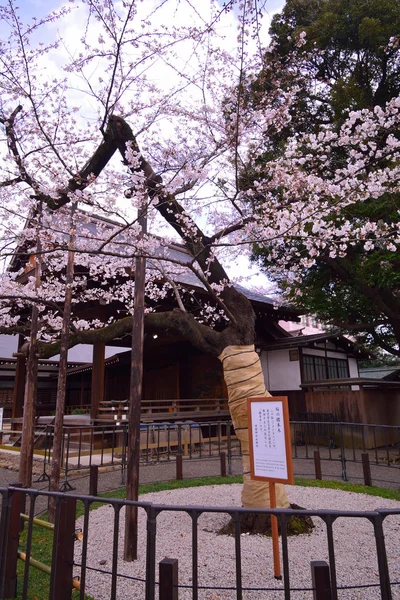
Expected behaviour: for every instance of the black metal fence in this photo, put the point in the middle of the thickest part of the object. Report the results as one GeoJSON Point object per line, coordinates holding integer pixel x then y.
{"type": "Point", "coordinates": [99, 569]}
{"type": "Point", "coordinates": [105, 446]}
{"type": "Point", "coordinates": [342, 446]}
{"type": "Point", "coordinates": [338, 449]}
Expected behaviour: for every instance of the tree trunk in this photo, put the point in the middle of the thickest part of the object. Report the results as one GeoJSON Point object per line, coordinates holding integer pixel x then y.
{"type": "Point", "coordinates": [28, 422]}
{"type": "Point", "coordinates": [244, 377]}
{"type": "Point", "coordinates": [56, 458]}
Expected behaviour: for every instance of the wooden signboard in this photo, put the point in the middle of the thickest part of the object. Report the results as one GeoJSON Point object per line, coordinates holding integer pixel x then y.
{"type": "Point", "coordinates": [269, 438]}
{"type": "Point", "coordinates": [270, 452]}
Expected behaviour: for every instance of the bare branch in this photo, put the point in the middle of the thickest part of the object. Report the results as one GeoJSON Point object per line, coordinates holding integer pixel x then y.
{"type": "Point", "coordinates": [13, 147]}
{"type": "Point", "coordinates": [10, 182]}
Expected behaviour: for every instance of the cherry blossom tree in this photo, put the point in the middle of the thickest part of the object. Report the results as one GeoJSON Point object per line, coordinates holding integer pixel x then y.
{"type": "Point", "coordinates": [151, 109]}
{"type": "Point", "coordinates": [351, 56]}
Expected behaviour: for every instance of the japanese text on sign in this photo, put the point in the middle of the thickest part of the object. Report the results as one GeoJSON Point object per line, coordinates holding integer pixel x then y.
{"type": "Point", "coordinates": [269, 447]}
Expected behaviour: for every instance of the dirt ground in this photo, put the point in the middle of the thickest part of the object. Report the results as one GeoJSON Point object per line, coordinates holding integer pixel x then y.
{"type": "Point", "coordinates": [11, 462]}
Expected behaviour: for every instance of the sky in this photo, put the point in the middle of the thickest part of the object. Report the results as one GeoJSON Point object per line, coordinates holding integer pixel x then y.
{"type": "Point", "coordinates": [40, 8]}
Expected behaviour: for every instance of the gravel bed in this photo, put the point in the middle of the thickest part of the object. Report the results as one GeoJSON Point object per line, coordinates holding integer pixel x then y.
{"type": "Point", "coordinates": [355, 549]}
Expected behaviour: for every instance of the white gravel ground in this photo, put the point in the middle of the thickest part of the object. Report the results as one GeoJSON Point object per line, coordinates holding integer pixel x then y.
{"type": "Point", "coordinates": [355, 548]}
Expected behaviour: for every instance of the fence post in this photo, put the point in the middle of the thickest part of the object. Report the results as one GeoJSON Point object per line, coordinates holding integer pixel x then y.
{"type": "Point", "coordinates": [229, 444]}
{"type": "Point", "coordinates": [366, 468]}
{"type": "Point", "coordinates": [321, 581]}
{"type": "Point", "coordinates": [5, 512]}
{"type": "Point", "coordinates": [179, 463]}
{"type": "Point", "coordinates": [123, 459]}
{"type": "Point", "coordinates": [222, 458]}
{"type": "Point", "coordinates": [343, 454]}
{"type": "Point", "coordinates": [151, 553]}
{"type": "Point", "coordinates": [11, 538]}
{"type": "Point", "coordinates": [168, 576]}
{"type": "Point", "coordinates": [93, 479]}
{"type": "Point", "coordinates": [63, 549]}
{"type": "Point", "coordinates": [179, 467]}
{"type": "Point", "coordinates": [384, 576]}
{"type": "Point", "coordinates": [317, 463]}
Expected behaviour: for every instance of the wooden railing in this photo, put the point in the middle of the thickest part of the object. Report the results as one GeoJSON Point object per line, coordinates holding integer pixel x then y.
{"type": "Point", "coordinates": [166, 410]}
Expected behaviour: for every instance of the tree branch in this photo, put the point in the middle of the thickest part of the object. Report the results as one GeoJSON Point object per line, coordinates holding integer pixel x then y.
{"type": "Point", "coordinates": [175, 322]}
{"type": "Point", "coordinates": [390, 306]}
{"type": "Point", "coordinates": [241, 314]}
{"type": "Point", "coordinates": [11, 182]}
{"type": "Point", "coordinates": [13, 147]}
{"type": "Point", "coordinates": [384, 345]}
{"type": "Point", "coordinates": [80, 181]}
{"type": "Point", "coordinates": [83, 178]}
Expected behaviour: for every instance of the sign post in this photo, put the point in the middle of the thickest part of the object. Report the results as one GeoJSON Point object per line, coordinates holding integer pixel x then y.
{"type": "Point", "coordinates": [270, 452]}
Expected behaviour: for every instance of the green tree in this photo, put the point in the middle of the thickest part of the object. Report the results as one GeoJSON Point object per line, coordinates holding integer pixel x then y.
{"type": "Point", "coordinates": [353, 55]}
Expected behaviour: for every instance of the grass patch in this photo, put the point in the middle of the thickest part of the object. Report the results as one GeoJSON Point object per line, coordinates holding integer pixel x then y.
{"type": "Point", "coordinates": [42, 540]}
{"type": "Point", "coordinates": [356, 488]}
{"type": "Point", "coordinates": [148, 488]}
{"type": "Point", "coordinates": [39, 582]}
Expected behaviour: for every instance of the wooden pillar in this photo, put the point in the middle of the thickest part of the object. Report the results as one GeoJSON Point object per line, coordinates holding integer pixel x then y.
{"type": "Point", "coordinates": [135, 400]}
{"type": "Point", "coordinates": [366, 469]}
{"type": "Point", "coordinates": [97, 394]}
{"type": "Point", "coordinates": [93, 479]}
{"type": "Point", "coordinates": [19, 383]}
{"type": "Point", "coordinates": [321, 580]}
{"type": "Point", "coordinates": [317, 464]}
{"type": "Point", "coordinates": [14, 505]}
{"type": "Point", "coordinates": [168, 570]}
{"type": "Point", "coordinates": [81, 391]}
{"type": "Point", "coordinates": [63, 550]}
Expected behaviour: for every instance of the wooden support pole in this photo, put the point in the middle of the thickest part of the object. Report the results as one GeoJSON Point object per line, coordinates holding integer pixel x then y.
{"type": "Point", "coordinates": [317, 463]}
{"type": "Point", "coordinates": [11, 542]}
{"type": "Point", "coordinates": [97, 394]}
{"type": "Point", "coordinates": [222, 458]}
{"type": "Point", "coordinates": [366, 468]}
{"type": "Point", "coordinates": [63, 550]}
{"type": "Point", "coordinates": [168, 577]}
{"type": "Point", "coordinates": [135, 399]}
{"type": "Point", "coordinates": [93, 480]}
{"type": "Point", "coordinates": [321, 580]}
{"type": "Point", "coordinates": [274, 532]}
{"type": "Point", "coordinates": [39, 522]}
{"type": "Point", "coordinates": [57, 454]}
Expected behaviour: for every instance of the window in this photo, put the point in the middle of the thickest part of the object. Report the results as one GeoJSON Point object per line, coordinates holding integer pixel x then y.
{"type": "Point", "coordinates": [337, 368]}
{"type": "Point", "coordinates": [321, 367]}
